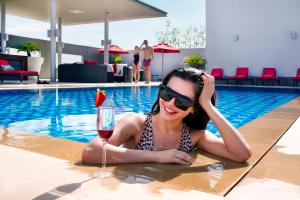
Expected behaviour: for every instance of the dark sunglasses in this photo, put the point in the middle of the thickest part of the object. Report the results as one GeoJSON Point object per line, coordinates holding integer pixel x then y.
{"type": "Point", "coordinates": [182, 102]}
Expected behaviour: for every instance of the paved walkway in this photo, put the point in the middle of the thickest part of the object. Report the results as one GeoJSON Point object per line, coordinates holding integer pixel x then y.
{"type": "Point", "coordinates": [31, 85]}
{"type": "Point", "coordinates": [27, 175]}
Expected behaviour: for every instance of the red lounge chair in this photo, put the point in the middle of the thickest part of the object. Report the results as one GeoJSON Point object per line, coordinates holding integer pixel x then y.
{"type": "Point", "coordinates": [296, 79]}
{"type": "Point", "coordinates": [240, 74]}
{"type": "Point", "coordinates": [89, 62]}
{"type": "Point", "coordinates": [4, 62]}
{"type": "Point", "coordinates": [217, 73]}
{"type": "Point", "coordinates": [268, 74]}
{"type": "Point", "coordinates": [19, 73]}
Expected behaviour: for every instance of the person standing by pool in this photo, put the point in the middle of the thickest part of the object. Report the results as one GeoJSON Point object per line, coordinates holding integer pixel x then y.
{"type": "Point", "coordinates": [148, 56]}
{"type": "Point", "coordinates": [176, 124]}
{"type": "Point", "coordinates": [136, 64]}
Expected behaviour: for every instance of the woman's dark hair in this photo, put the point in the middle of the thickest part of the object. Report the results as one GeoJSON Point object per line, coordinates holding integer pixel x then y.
{"type": "Point", "coordinates": [199, 119]}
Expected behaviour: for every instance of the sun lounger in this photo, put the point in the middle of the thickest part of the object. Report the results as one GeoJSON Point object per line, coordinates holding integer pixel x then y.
{"type": "Point", "coordinates": [268, 73]}
{"type": "Point", "coordinates": [240, 74]}
{"type": "Point", "coordinates": [217, 73]}
{"type": "Point", "coordinates": [20, 73]}
{"type": "Point", "coordinates": [296, 79]}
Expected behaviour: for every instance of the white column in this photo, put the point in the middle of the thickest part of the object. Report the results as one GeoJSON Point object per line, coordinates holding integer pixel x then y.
{"type": "Point", "coordinates": [106, 42]}
{"type": "Point", "coordinates": [3, 31]}
{"type": "Point", "coordinates": [60, 44]}
{"type": "Point", "coordinates": [53, 41]}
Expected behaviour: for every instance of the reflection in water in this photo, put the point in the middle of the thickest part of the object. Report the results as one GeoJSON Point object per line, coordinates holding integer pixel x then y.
{"type": "Point", "coordinates": [132, 178]}
{"type": "Point", "coordinates": [148, 91]}
{"type": "Point", "coordinates": [38, 100]}
{"type": "Point", "coordinates": [72, 127]}
{"type": "Point", "coordinates": [135, 91]}
{"type": "Point", "coordinates": [136, 96]}
{"type": "Point", "coordinates": [152, 169]}
{"type": "Point", "coordinates": [215, 172]}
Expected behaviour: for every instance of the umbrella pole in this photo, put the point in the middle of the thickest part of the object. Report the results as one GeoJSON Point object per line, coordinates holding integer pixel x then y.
{"type": "Point", "coordinates": [162, 66]}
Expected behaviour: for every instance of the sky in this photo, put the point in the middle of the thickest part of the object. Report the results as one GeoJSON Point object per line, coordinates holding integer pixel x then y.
{"type": "Point", "coordinates": [126, 34]}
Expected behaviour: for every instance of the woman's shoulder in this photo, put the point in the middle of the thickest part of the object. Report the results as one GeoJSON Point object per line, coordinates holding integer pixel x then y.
{"type": "Point", "coordinates": [200, 134]}
{"type": "Point", "coordinates": [197, 135]}
{"type": "Point", "coordinates": [134, 123]}
{"type": "Point", "coordinates": [138, 116]}
{"type": "Point", "coordinates": [132, 118]}
{"type": "Point", "coordinates": [197, 131]}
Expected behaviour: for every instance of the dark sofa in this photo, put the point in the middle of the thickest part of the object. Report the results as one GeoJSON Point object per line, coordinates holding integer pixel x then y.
{"type": "Point", "coordinates": [84, 73]}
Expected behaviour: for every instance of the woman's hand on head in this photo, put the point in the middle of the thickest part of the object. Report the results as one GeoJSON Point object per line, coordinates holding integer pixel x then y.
{"type": "Point", "coordinates": [208, 90]}
{"type": "Point", "coordinates": [174, 156]}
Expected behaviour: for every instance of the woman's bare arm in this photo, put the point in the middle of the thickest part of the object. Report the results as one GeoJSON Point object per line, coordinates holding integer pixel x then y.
{"type": "Point", "coordinates": [93, 154]}
{"type": "Point", "coordinates": [232, 145]}
{"type": "Point", "coordinates": [129, 128]}
{"type": "Point", "coordinates": [126, 129]}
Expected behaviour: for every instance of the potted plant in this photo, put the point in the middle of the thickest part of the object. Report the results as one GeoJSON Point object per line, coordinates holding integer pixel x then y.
{"type": "Point", "coordinates": [28, 47]}
{"type": "Point", "coordinates": [195, 60]}
{"type": "Point", "coordinates": [34, 63]}
{"type": "Point", "coordinates": [116, 60]}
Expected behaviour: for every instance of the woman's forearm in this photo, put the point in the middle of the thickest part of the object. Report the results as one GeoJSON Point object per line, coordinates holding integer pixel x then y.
{"type": "Point", "coordinates": [116, 154]}
{"type": "Point", "coordinates": [124, 155]}
{"type": "Point", "coordinates": [233, 140]}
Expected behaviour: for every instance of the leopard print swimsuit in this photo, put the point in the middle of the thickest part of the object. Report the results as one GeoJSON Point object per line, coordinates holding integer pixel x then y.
{"type": "Point", "coordinates": [146, 141]}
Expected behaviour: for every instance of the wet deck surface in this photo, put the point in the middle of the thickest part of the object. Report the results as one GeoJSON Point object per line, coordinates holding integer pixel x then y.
{"type": "Point", "coordinates": [55, 165]}
{"type": "Point", "coordinates": [277, 175]}
{"type": "Point", "coordinates": [37, 176]}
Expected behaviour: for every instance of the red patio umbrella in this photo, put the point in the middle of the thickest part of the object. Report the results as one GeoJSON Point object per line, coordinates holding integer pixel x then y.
{"type": "Point", "coordinates": [114, 49]}
{"type": "Point", "coordinates": [164, 48]}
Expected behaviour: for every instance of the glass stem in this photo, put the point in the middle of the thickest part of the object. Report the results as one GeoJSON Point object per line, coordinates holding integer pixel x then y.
{"type": "Point", "coordinates": [104, 154]}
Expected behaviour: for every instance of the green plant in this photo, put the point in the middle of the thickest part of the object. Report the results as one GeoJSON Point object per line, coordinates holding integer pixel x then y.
{"type": "Point", "coordinates": [117, 59]}
{"type": "Point", "coordinates": [195, 60]}
{"type": "Point", "coordinates": [28, 47]}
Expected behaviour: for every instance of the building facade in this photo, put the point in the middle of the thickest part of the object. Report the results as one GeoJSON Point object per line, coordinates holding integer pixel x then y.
{"type": "Point", "coordinates": [253, 33]}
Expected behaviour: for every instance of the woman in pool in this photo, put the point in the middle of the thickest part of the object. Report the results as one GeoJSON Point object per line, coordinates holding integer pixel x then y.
{"type": "Point", "coordinates": [176, 124]}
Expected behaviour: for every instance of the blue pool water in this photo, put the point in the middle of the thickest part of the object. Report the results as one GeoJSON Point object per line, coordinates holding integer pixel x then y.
{"type": "Point", "coordinates": [70, 113]}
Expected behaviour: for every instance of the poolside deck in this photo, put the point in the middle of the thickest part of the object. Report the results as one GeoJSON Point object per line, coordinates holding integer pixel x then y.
{"type": "Point", "coordinates": [277, 174]}
{"type": "Point", "coordinates": [30, 85]}
{"type": "Point", "coordinates": [43, 167]}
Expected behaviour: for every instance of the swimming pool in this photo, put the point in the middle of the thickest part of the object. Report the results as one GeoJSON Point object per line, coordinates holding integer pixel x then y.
{"type": "Point", "coordinates": [70, 113]}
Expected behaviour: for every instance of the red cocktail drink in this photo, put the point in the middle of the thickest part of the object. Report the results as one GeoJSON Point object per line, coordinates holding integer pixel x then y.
{"type": "Point", "coordinates": [105, 134]}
